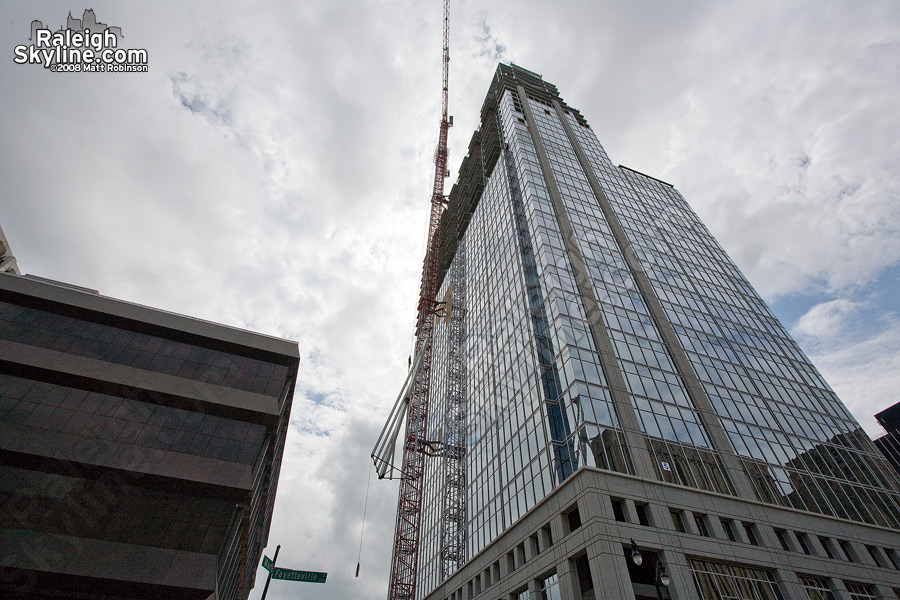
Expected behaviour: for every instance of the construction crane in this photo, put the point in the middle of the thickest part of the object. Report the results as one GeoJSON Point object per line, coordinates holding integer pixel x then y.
{"type": "Point", "coordinates": [414, 396]}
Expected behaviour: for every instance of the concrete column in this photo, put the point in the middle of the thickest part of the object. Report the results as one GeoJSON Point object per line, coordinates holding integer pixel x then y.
{"type": "Point", "coordinates": [789, 584]}
{"type": "Point", "coordinates": [687, 517]}
{"type": "Point", "coordinates": [629, 510]}
{"type": "Point", "coordinates": [716, 530]}
{"type": "Point", "coordinates": [596, 505]}
{"type": "Point", "coordinates": [520, 556]}
{"type": "Point", "coordinates": [531, 547]}
{"type": "Point", "coordinates": [738, 528]}
{"type": "Point", "coordinates": [766, 536]}
{"type": "Point", "coordinates": [609, 571]}
{"type": "Point", "coordinates": [862, 554]}
{"type": "Point", "coordinates": [568, 580]}
{"type": "Point", "coordinates": [508, 564]}
{"type": "Point", "coordinates": [558, 528]}
{"type": "Point", "coordinates": [790, 538]}
{"type": "Point", "coordinates": [815, 545]}
{"type": "Point", "coordinates": [534, 589]}
{"type": "Point", "coordinates": [545, 538]}
{"type": "Point", "coordinates": [659, 516]}
{"type": "Point", "coordinates": [839, 589]}
{"type": "Point", "coordinates": [681, 583]}
{"type": "Point", "coordinates": [883, 591]}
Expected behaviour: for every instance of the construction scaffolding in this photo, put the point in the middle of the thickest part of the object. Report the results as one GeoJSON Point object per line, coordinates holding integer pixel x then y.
{"type": "Point", "coordinates": [414, 398]}
{"type": "Point", "coordinates": [453, 510]}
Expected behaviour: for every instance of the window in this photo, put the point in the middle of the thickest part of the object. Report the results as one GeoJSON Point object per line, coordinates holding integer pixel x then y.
{"type": "Point", "coordinates": [860, 591]}
{"type": "Point", "coordinates": [826, 544]}
{"type": "Point", "coordinates": [522, 595]}
{"type": "Point", "coordinates": [816, 588]}
{"type": "Point", "coordinates": [573, 519]}
{"type": "Point", "coordinates": [677, 520]}
{"type": "Point", "coordinates": [728, 526]}
{"type": "Point", "coordinates": [550, 588]}
{"type": "Point", "coordinates": [618, 510]}
{"type": "Point", "coordinates": [520, 555]}
{"type": "Point", "coordinates": [876, 556]}
{"type": "Point", "coordinates": [892, 556]}
{"type": "Point", "coordinates": [702, 529]}
{"type": "Point", "coordinates": [642, 515]}
{"type": "Point", "coordinates": [535, 544]}
{"type": "Point", "coordinates": [715, 581]}
{"type": "Point", "coordinates": [803, 540]}
{"type": "Point", "coordinates": [750, 530]}
{"type": "Point", "coordinates": [848, 550]}
{"type": "Point", "coordinates": [781, 534]}
{"type": "Point", "coordinates": [585, 581]}
{"type": "Point", "coordinates": [548, 535]}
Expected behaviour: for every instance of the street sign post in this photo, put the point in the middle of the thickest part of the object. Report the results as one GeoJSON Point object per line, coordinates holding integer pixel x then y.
{"type": "Point", "coordinates": [288, 574]}
{"type": "Point", "coordinates": [269, 568]}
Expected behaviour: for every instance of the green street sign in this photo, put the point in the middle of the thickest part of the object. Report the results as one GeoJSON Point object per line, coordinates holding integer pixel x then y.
{"type": "Point", "coordinates": [291, 575]}
{"type": "Point", "coordinates": [267, 563]}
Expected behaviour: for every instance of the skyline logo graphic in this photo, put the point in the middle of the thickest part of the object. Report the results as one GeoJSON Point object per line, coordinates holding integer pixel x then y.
{"type": "Point", "coordinates": [84, 45]}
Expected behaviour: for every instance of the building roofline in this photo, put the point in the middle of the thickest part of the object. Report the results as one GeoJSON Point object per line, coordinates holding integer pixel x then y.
{"type": "Point", "coordinates": [889, 418]}
{"type": "Point", "coordinates": [67, 298]}
{"type": "Point", "coordinates": [636, 172]}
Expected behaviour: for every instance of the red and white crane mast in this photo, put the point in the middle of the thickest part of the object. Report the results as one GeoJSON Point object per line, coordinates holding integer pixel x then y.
{"type": "Point", "coordinates": [404, 563]}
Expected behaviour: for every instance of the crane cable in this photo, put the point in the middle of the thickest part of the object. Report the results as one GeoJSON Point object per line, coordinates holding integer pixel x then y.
{"type": "Point", "coordinates": [363, 528]}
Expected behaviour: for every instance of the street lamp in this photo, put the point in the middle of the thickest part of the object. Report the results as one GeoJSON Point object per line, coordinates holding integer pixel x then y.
{"type": "Point", "coordinates": [660, 578]}
{"type": "Point", "coordinates": [636, 554]}
{"type": "Point", "coordinates": [661, 574]}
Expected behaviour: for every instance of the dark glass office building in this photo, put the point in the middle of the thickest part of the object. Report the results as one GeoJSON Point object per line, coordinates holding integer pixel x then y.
{"type": "Point", "coordinates": [889, 443]}
{"type": "Point", "coordinates": [628, 393]}
{"type": "Point", "coordinates": [139, 449]}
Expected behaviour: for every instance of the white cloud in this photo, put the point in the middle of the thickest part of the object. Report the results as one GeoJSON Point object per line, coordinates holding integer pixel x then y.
{"type": "Point", "coordinates": [863, 369]}
{"type": "Point", "coordinates": [827, 322]}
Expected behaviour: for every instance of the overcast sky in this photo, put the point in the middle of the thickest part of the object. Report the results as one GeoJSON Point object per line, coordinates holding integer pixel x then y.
{"type": "Point", "coordinates": [272, 171]}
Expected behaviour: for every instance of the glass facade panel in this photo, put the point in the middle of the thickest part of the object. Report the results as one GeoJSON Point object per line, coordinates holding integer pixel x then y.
{"type": "Point", "coordinates": [716, 581]}
{"type": "Point", "coordinates": [861, 591]}
{"type": "Point", "coordinates": [801, 447]}
{"type": "Point", "coordinates": [550, 588]}
{"type": "Point", "coordinates": [816, 588]}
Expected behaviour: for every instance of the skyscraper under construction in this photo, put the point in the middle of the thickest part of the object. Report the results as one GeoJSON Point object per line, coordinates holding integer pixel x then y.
{"type": "Point", "coordinates": [614, 410]}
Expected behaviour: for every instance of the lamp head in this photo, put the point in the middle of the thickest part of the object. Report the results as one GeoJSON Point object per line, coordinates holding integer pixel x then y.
{"type": "Point", "coordinates": [663, 576]}
{"type": "Point", "coordinates": [636, 554]}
